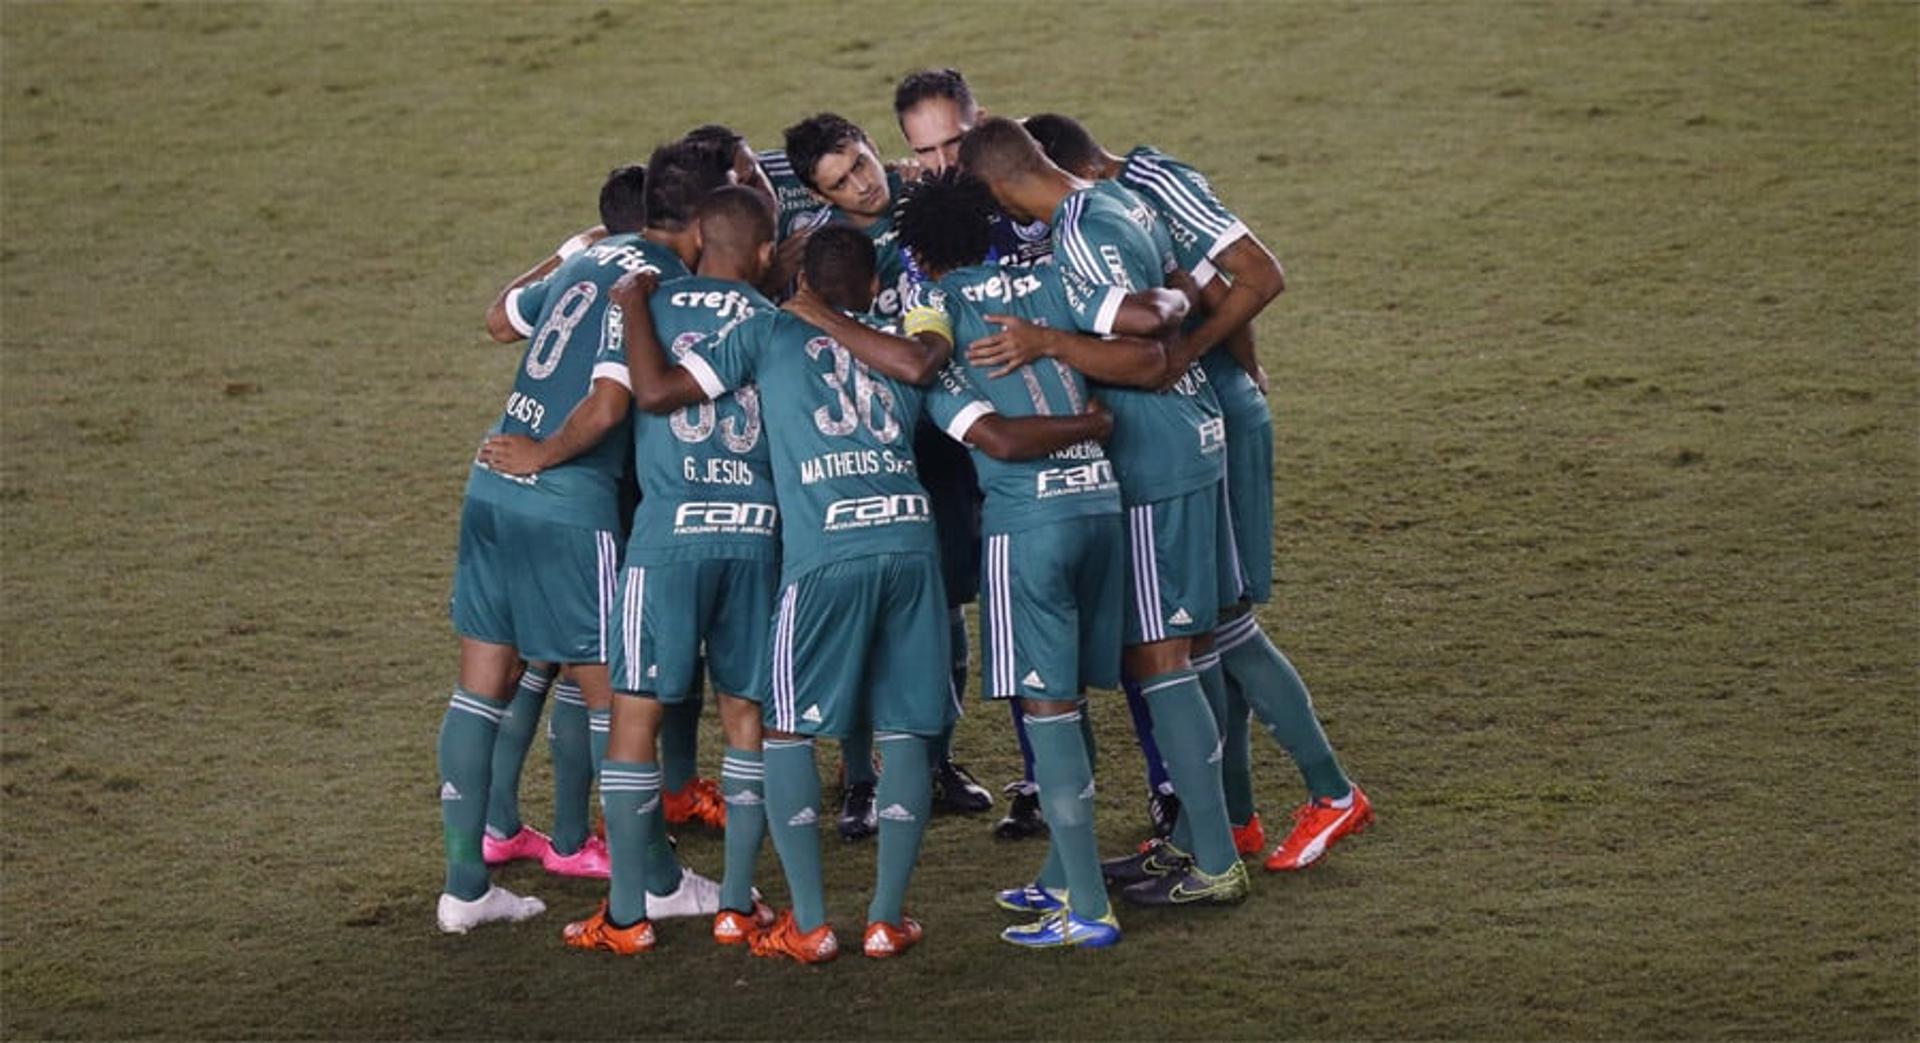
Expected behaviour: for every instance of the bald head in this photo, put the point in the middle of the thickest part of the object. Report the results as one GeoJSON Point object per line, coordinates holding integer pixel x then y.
{"type": "Point", "coordinates": [999, 150]}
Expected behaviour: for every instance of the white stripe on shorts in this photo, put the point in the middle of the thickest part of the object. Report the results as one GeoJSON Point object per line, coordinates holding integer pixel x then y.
{"type": "Point", "coordinates": [609, 578]}
{"type": "Point", "coordinates": [783, 708]}
{"type": "Point", "coordinates": [631, 615]}
{"type": "Point", "coordinates": [999, 624]}
{"type": "Point", "coordinates": [1146, 573]}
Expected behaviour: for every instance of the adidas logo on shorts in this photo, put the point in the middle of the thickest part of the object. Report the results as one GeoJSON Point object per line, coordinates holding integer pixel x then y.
{"type": "Point", "coordinates": [447, 792]}
{"type": "Point", "coordinates": [804, 817]}
{"type": "Point", "coordinates": [1180, 618]}
{"type": "Point", "coordinates": [812, 716]}
{"type": "Point", "coordinates": [1032, 680]}
{"type": "Point", "coordinates": [896, 813]}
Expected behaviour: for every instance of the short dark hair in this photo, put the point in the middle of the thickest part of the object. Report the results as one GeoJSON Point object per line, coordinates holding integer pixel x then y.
{"type": "Point", "coordinates": [839, 264]}
{"type": "Point", "coordinates": [998, 148]}
{"type": "Point", "coordinates": [718, 132]}
{"type": "Point", "coordinates": [917, 87]}
{"type": "Point", "coordinates": [1065, 141]}
{"type": "Point", "coordinates": [946, 221]}
{"type": "Point", "coordinates": [623, 200]}
{"type": "Point", "coordinates": [816, 136]}
{"type": "Point", "coordinates": [734, 217]}
{"type": "Point", "coordinates": [679, 176]}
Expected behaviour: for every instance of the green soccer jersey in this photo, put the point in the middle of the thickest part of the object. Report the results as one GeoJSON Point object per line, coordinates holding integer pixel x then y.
{"type": "Point", "coordinates": [1107, 243]}
{"type": "Point", "coordinates": [1074, 481]}
{"type": "Point", "coordinates": [844, 470]}
{"type": "Point", "coordinates": [563, 318]}
{"type": "Point", "coordinates": [798, 208]}
{"type": "Point", "coordinates": [1199, 227]}
{"type": "Point", "coordinates": [706, 474]}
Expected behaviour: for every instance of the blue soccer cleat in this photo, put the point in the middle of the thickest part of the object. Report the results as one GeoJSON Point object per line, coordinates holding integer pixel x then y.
{"type": "Point", "coordinates": [1031, 899]}
{"type": "Point", "coordinates": [1063, 929]}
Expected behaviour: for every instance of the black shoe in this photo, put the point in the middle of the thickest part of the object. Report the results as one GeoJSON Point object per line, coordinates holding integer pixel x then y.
{"type": "Point", "coordinates": [1190, 886]}
{"type": "Point", "coordinates": [956, 790]}
{"type": "Point", "coordinates": [856, 811]}
{"type": "Point", "coordinates": [1163, 810]}
{"type": "Point", "coordinates": [1156, 858]}
{"type": "Point", "coordinates": [1023, 814]}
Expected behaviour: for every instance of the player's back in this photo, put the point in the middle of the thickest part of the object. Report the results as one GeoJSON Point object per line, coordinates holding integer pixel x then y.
{"type": "Point", "coordinates": [842, 440]}
{"type": "Point", "coordinates": [563, 316]}
{"type": "Point", "coordinates": [706, 470]}
{"type": "Point", "coordinates": [1073, 481]}
{"type": "Point", "coordinates": [1199, 227]}
{"type": "Point", "coordinates": [1108, 243]}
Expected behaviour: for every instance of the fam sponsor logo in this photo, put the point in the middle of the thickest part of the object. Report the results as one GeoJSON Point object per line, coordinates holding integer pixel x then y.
{"type": "Point", "coordinates": [1065, 481]}
{"type": "Point", "coordinates": [863, 512]}
{"type": "Point", "coordinates": [721, 517]}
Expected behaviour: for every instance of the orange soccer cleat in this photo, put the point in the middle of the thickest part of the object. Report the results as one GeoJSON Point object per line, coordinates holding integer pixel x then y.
{"type": "Point", "coordinates": [885, 940]}
{"type": "Point", "coordinates": [597, 932]}
{"type": "Point", "coordinates": [733, 927]}
{"type": "Point", "coordinates": [784, 938]}
{"type": "Point", "coordinates": [698, 801]}
{"type": "Point", "coordinates": [1250, 839]}
{"type": "Point", "coordinates": [1317, 824]}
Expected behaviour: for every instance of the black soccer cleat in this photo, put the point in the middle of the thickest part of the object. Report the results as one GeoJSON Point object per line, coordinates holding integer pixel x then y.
{"type": "Point", "coordinates": [1155, 859]}
{"type": "Point", "coordinates": [1163, 810]}
{"type": "Point", "coordinates": [1190, 886]}
{"type": "Point", "coordinates": [857, 818]}
{"type": "Point", "coordinates": [1023, 818]}
{"type": "Point", "coordinates": [954, 789]}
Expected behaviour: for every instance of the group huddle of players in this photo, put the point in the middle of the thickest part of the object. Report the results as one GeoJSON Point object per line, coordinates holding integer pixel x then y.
{"type": "Point", "coordinates": [1016, 368]}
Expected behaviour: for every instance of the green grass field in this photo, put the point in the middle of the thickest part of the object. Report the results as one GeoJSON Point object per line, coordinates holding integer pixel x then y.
{"type": "Point", "coordinates": [1597, 469]}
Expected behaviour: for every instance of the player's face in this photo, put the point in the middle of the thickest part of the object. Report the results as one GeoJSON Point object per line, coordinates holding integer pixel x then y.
{"type": "Point", "coordinates": [933, 129]}
{"type": "Point", "coordinates": [1009, 205]}
{"type": "Point", "coordinates": [853, 180]}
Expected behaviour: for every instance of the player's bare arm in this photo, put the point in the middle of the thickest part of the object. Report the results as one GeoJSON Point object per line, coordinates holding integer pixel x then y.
{"type": "Point", "coordinates": [499, 326]}
{"type": "Point", "coordinates": [658, 385]}
{"type": "Point", "coordinates": [600, 412]}
{"type": "Point", "coordinates": [1031, 437]}
{"type": "Point", "coordinates": [1126, 360]}
{"type": "Point", "coordinates": [1256, 279]}
{"type": "Point", "coordinates": [915, 360]}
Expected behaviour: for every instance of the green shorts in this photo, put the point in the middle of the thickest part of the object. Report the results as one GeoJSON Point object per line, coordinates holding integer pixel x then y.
{"type": "Point", "coordinates": [1250, 504]}
{"type": "Point", "coordinates": [862, 643]}
{"type": "Point", "coordinates": [1051, 607]}
{"type": "Point", "coordinates": [671, 613]}
{"type": "Point", "coordinates": [1174, 566]}
{"type": "Point", "coordinates": [533, 584]}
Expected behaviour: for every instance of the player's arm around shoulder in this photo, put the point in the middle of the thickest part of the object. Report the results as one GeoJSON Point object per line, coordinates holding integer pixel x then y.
{"type": "Point", "coordinates": [508, 316]}
{"type": "Point", "coordinates": [916, 359]}
{"type": "Point", "coordinates": [656, 384]}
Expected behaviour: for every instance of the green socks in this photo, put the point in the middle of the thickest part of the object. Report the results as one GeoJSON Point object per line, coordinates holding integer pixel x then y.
{"type": "Point", "coordinates": [904, 800]}
{"type": "Point", "coordinates": [793, 817]}
{"type": "Point", "coordinates": [510, 750]}
{"type": "Point", "coordinates": [1280, 700]}
{"type": "Point", "coordinates": [568, 740]}
{"type": "Point", "coordinates": [630, 799]}
{"type": "Point", "coordinates": [466, 760]}
{"type": "Point", "coordinates": [599, 734]}
{"type": "Point", "coordinates": [1184, 730]}
{"type": "Point", "coordinates": [680, 742]}
{"type": "Point", "coordinates": [1066, 793]}
{"type": "Point", "coordinates": [743, 786]}
{"type": "Point", "coordinates": [1236, 770]}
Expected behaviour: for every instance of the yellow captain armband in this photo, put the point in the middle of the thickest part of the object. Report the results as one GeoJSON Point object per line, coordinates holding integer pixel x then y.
{"type": "Point", "coordinates": [929, 320]}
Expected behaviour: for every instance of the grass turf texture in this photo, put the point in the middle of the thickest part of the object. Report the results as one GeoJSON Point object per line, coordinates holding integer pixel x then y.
{"type": "Point", "coordinates": [1595, 389]}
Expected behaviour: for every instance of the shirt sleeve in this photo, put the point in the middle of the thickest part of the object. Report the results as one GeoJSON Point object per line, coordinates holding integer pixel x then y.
{"type": "Point", "coordinates": [610, 362]}
{"type": "Point", "coordinates": [524, 304]}
{"type": "Point", "coordinates": [925, 311]}
{"type": "Point", "coordinates": [1101, 260]}
{"type": "Point", "coordinates": [730, 357]}
{"type": "Point", "coordinates": [954, 404]}
{"type": "Point", "coordinates": [1187, 200]}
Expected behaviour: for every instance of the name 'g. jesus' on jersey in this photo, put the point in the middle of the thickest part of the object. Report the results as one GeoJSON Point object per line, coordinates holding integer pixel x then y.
{"type": "Point", "coordinates": [843, 463]}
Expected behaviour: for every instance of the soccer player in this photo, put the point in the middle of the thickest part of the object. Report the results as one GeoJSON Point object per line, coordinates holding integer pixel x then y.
{"type": "Point", "coordinates": [836, 160]}
{"type": "Point", "coordinates": [1055, 551]}
{"type": "Point", "coordinates": [537, 559]}
{"type": "Point", "coordinates": [935, 107]}
{"type": "Point", "coordinates": [1167, 450]}
{"type": "Point", "coordinates": [700, 573]}
{"type": "Point", "coordinates": [1239, 276]}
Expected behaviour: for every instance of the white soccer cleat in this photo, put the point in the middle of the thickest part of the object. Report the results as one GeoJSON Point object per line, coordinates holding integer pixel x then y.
{"type": "Point", "coordinates": [498, 905]}
{"type": "Point", "coordinates": [696, 896]}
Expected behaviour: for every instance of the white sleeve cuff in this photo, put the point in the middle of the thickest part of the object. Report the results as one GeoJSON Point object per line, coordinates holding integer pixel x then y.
{"type": "Point", "coordinates": [703, 374]}
{"type": "Point", "coordinates": [964, 420]}
{"type": "Point", "coordinates": [1109, 310]}
{"type": "Point", "coordinates": [520, 325]}
{"type": "Point", "coordinates": [1227, 238]}
{"type": "Point", "coordinates": [614, 371]}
